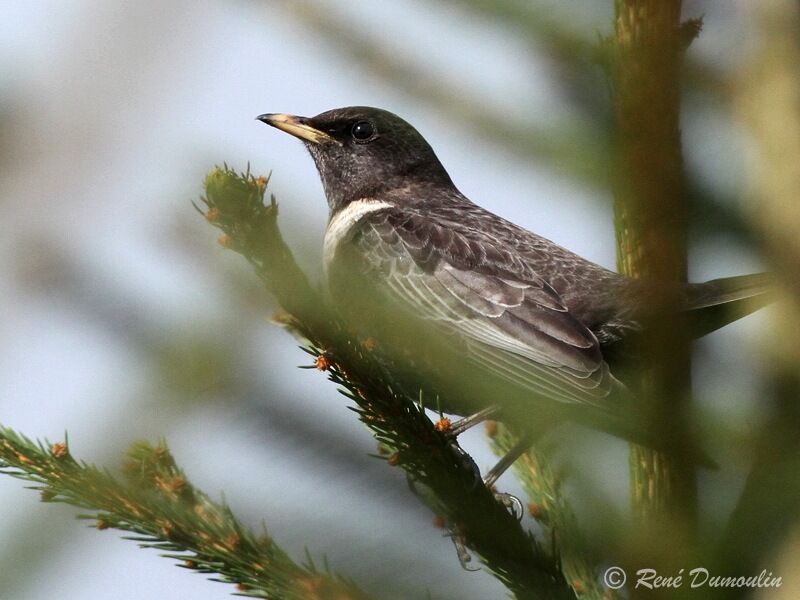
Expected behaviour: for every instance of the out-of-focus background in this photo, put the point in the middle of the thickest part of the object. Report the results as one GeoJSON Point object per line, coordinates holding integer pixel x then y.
{"type": "Point", "coordinates": [122, 318]}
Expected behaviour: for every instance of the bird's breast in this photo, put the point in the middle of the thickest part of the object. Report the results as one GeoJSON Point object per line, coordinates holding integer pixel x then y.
{"type": "Point", "coordinates": [343, 223]}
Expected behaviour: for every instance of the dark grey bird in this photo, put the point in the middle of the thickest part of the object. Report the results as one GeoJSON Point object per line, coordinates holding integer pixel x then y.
{"type": "Point", "coordinates": [522, 307]}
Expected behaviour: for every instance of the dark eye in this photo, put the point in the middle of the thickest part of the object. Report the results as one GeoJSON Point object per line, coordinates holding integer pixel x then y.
{"type": "Point", "coordinates": [363, 131]}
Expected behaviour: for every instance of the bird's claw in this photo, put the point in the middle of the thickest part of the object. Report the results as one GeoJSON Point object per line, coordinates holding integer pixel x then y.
{"type": "Point", "coordinates": [464, 557]}
{"type": "Point", "coordinates": [511, 503]}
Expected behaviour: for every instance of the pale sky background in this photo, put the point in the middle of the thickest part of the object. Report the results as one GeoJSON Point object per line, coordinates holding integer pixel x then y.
{"type": "Point", "coordinates": [110, 115]}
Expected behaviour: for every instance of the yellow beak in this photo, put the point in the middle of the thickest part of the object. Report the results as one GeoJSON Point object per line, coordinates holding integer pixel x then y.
{"type": "Point", "coordinates": [295, 126]}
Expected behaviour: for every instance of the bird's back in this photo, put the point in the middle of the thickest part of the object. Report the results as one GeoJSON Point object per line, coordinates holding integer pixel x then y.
{"type": "Point", "coordinates": [596, 296]}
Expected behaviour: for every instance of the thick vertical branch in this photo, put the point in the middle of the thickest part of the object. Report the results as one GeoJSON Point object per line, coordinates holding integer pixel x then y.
{"type": "Point", "coordinates": [651, 223]}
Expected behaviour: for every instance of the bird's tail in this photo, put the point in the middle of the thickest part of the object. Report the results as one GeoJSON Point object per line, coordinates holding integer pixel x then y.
{"type": "Point", "coordinates": [716, 303]}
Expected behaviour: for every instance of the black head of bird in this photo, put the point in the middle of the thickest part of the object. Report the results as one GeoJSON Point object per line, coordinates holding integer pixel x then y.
{"type": "Point", "coordinates": [361, 152]}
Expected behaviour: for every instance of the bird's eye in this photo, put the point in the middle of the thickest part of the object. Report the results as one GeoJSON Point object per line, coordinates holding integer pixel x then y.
{"type": "Point", "coordinates": [363, 131]}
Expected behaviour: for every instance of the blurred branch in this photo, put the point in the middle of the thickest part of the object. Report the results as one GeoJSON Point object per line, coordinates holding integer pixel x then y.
{"type": "Point", "coordinates": [235, 205]}
{"type": "Point", "coordinates": [768, 101]}
{"type": "Point", "coordinates": [576, 151]}
{"type": "Point", "coordinates": [192, 366]}
{"type": "Point", "coordinates": [548, 505]}
{"type": "Point", "coordinates": [562, 41]}
{"type": "Point", "coordinates": [537, 25]}
{"type": "Point", "coordinates": [572, 55]}
{"type": "Point", "coordinates": [204, 364]}
{"type": "Point", "coordinates": [651, 217]}
{"type": "Point", "coordinates": [167, 513]}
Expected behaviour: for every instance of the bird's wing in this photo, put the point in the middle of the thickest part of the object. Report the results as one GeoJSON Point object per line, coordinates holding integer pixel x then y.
{"type": "Point", "coordinates": [512, 321]}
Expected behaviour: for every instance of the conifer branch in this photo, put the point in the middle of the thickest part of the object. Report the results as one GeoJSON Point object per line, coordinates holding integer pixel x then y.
{"type": "Point", "coordinates": [548, 505]}
{"type": "Point", "coordinates": [162, 510]}
{"type": "Point", "coordinates": [234, 203]}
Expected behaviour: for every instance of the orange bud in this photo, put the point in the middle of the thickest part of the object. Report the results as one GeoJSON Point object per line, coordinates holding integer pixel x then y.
{"type": "Point", "coordinates": [535, 510]}
{"type": "Point", "coordinates": [442, 425]}
{"type": "Point", "coordinates": [59, 450]}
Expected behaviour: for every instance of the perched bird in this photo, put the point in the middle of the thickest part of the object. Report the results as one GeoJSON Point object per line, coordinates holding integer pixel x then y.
{"type": "Point", "coordinates": [521, 307]}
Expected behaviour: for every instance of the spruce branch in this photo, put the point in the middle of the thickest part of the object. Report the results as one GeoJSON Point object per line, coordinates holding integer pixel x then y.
{"type": "Point", "coordinates": [549, 506]}
{"type": "Point", "coordinates": [164, 511]}
{"type": "Point", "coordinates": [234, 203]}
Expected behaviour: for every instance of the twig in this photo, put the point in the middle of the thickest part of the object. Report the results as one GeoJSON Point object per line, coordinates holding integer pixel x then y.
{"type": "Point", "coordinates": [548, 505]}
{"type": "Point", "coordinates": [164, 511]}
{"type": "Point", "coordinates": [234, 203]}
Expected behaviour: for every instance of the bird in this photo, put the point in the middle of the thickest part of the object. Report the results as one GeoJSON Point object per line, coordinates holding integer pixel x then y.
{"type": "Point", "coordinates": [513, 304]}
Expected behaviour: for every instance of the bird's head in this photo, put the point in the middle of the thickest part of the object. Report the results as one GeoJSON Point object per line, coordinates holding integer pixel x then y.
{"type": "Point", "coordinates": [361, 152]}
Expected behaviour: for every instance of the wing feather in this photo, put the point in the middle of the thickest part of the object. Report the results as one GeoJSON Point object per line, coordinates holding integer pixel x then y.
{"type": "Point", "coordinates": [512, 322]}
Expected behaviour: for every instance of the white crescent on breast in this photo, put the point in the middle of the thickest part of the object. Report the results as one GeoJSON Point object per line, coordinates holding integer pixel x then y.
{"type": "Point", "coordinates": [342, 223]}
